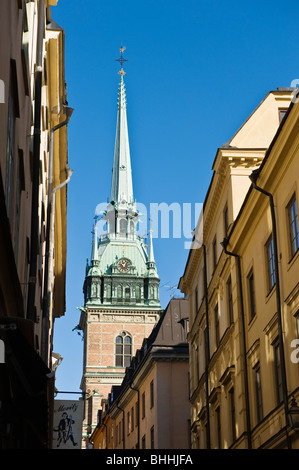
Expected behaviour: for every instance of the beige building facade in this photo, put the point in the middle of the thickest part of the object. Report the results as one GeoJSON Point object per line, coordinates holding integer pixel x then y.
{"type": "Point", "coordinates": [33, 177]}
{"type": "Point", "coordinates": [150, 409]}
{"type": "Point", "coordinates": [240, 394]}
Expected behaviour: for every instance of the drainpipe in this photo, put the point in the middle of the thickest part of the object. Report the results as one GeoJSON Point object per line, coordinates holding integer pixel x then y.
{"type": "Point", "coordinates": [224, 245]}
{"type": "Point", "coordinates": [138, 420]}
{"type": "Point", "coordinates": [123, 411]}
{"type": "Point", "coordinates": [207, 346]}
{"type": "Point", "coordinates": [253, 177]}
{"type": "Point", "coordinates": [106, 439]}
{"type": "Point", "coordinates": [36, 158]}
{"type": "Point", "coordinates": [50, 237]}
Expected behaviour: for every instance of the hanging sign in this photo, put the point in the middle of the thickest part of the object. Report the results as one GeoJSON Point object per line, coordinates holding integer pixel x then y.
{"type": "Point", "coordinates": [67, 424]}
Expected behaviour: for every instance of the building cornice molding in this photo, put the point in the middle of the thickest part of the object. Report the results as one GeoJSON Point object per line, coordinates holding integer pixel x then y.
{"type": "Point", "coordinates": [228, 161]}
{"type": "Point", "coordinates": [284, 144]}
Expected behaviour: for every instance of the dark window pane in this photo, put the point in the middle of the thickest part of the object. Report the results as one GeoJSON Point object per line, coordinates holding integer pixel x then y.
{"type": "Point", "coordinates": [119, 361]}
{"type": "Point", "coordinates": [251, 295]}
{"type": "Point", "coordinates": [278, 374]}
{"type": "Point", "coordinates": [123, 350]}
{"type": "Point", "coordinates": [293, 225]}
{"type": "Point", "coordinates": [270, 264]}
{"type": "Point", "coordinates": [258, 393]}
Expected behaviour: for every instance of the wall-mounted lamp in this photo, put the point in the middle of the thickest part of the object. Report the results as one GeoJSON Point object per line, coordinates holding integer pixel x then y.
{"type": "Point", "coordinates": [294, 415]}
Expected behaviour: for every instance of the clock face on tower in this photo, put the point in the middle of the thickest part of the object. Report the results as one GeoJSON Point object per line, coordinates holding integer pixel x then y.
{"type": "Point", "coordinates": [123, 265]}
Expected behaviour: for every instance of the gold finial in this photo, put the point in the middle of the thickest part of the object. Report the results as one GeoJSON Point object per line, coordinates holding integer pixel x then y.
{"type": "Point", "coordinates": [121, 60]}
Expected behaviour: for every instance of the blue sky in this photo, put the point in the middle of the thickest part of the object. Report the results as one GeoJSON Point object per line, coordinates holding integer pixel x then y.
{"type": "Point", "coordinates": [196, 69]}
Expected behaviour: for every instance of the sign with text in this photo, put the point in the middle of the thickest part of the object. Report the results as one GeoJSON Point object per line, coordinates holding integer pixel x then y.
{"type": "Point", "coordinates": [67, 424]}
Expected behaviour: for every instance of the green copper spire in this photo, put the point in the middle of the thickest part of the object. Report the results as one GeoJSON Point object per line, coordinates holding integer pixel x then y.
{"type": "Point", "coordinates": [122, 273]}
{"type": "Point", "coordinates": [94, 252]}
{"type": "Point", "coordinates": [151, 264]}
{"type": "Point", "coordinates": [122, 187]}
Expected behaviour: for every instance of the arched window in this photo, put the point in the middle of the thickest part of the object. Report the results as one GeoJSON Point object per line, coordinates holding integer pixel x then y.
{"type": "Point", "coordinates": [127, 292]}
{"type": "Point", "coordinates": [151, 292]}
{"type": "Point", "coordinates": [123, 226]}
{"type": "Point", "coordinates": [119, 292]}
{"type": "Point", "coordinates": [108, 291]}
{"type": "Point", "coordinates": [123, 350]}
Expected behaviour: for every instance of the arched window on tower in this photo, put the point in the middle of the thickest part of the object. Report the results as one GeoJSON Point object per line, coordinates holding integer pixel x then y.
{"type": "Point", "coordinates": [138, 294]}
{"type": "Point", "coordinates": [127, 293]}
{"type": "Point", "coordinates": [123, 350]}
{"type": "Point", "coordinates": [119, 292]}
{"type": "Point", "coordinates": [108, 291]}
{"type": "Point", "coordinates": [123, 226]}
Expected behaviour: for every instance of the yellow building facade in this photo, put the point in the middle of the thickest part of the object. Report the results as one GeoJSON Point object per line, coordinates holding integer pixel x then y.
{"type": "Point", "coordinates": [33, 176]}
{"type": "Point", "coordinates": [240, 391]}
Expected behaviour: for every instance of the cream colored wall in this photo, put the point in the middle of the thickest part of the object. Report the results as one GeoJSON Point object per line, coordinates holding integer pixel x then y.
{"type": "Point", "coordinates": [230, 184]}
{"type": "Point", "coordinates": [260, 128]}
{"type": "Point", "coordinates": [10, 29]}
{"type": "Point", "coordinates": [171, 425]}
{"type": "Point", "coordinates": [263, 327]}
{"type": "Point", "coordinates": [169, 414]}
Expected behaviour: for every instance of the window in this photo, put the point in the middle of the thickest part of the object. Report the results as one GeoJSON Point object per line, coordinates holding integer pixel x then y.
{"type": "Point", "coordinates": [207, 344]}
{"type": "Point", "coordinates": [218, 423]}
{"type": "Point", "coordinates": [152, 438]}
{"type": "Point", "coordinates": [119, 432]}
{"type": "Point", "coordinates": [25, 291]}
{"type": "Point", "coordinates": [138, 294]}
{"type": "Point", "coordinates": [258, 392]}
{"type": "Point", "coordinates": [123, 350]}
{"type": "Point", "coordinates": [127, 293]}
{"type": "Point", "coordinates": [230, 300]}
{"type": "Point", "coordinates": [116, 435]}
{"type": "Point", "coordinates": [20, 185]}
{"type": "Point", "coordinates": [10, 153]}
{"type": "Point", "coordinates": [293, 225]}
{"type": "Point", "coordinates": [278, 372]}
{"type": "Point", "coordinates": [217, 336]}
{"type": "Point", "coordinates": [196, 364]}
{"type": "Point", "coordinates": [136, 413]}
{"type": "Point", "coordinates": [119, 293]}
{"type": "Point", "coordinates": [123, 226]}
{"type": "Point", "coordinates": [132, 418]}
{"type": "Point", "coordinates": [152, 394]}
{"type": "Point", "coordinates": [282, 112]}
{"type": "Point", "coordinates": [196, 300]}
{"type": "Point", "coordinates": [143, 405]}
{"type": "Point", "coordinates": [232, 413]}
{"type": "Point", "coordinates": [250, 280]}
{"type": "Point", "coordinates": [225, 220]}
{"type": "Point", "coordinates": [128, 422]}
{"type": "Point", "coordinates": [270, 263]}
{"type": "Point", "coordinates": [214, 253]}
{"type": "Point", "coordinates": [297, 322]}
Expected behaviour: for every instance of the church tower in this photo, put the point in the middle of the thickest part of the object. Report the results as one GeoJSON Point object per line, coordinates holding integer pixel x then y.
{"type": "Point", "coordinates": [121, 287]}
